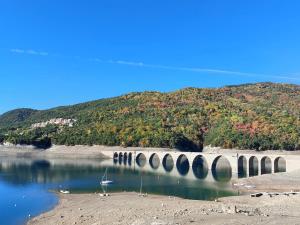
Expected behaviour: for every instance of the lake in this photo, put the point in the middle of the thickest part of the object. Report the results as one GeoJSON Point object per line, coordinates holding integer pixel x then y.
{"type": "Point", "coordinates": [25, 182]}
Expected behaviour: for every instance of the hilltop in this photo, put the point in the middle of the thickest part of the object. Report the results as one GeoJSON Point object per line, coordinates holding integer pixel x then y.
{"type": "Point", "coordinates": [251, 116]}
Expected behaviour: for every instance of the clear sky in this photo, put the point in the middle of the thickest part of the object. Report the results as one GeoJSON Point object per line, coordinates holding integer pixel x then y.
{"type": "Point", "coordinates": [60, 52]}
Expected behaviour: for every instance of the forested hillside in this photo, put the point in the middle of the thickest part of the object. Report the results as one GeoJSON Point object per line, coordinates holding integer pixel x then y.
{"type": "Point", "coordinates": [252, 116]}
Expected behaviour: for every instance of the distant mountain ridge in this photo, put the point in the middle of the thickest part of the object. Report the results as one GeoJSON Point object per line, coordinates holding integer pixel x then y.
{"type": "Point", "coordinates": [254, 116]}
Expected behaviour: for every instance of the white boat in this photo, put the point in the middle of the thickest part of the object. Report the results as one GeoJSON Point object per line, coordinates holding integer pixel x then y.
{"type": "Point", "coordinates": [104, 180]}
{"type": "Point", "coordinates": [64, 192]}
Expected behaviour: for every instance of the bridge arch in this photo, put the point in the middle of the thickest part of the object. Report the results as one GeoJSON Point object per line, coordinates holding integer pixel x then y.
{"type": "Point", "coordinates": [125, 157]}
{"type": "Point", "coordinates": [116, 155]}
{"type": "Point", "coordinates": [129, 158]}
{"type": "Point", "coordinates": [266, 165]}
{"type": "Point", "coordinates": [120, 158]}
{"type": "Point", "coordinates": [115, 158]}
{"type": "Point", "coordinates": [182, 164]}
{"type": "Point", "coordinates": [168, 163]}
{"type": "Point", "coordinates": [242, 166]}
{"type": "Point", "coordinates": [141, 160]}
{"type": "Point", "coordinates": [279, 165]}
{"type": "Point", "coordinates": [154, 161]}
{"type": "Point", "coordinates": [200, 167]}
{"type": "Point", "coordinates": [221, 169]}
{"type": "Point", "coordinates": [253, 166]}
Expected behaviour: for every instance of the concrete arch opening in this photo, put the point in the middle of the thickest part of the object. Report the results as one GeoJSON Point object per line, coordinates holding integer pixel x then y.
{"type": "Point", "coordinates": [154, 161]}
{"type": "Point", "coordinates": [279, 165]}
{"type": "Point", "coordinates": [200, 167]}
{"type": "Point", "coordinates": [253, 166]}
{"type": "Point", "coordinates": [141, 160]}
{"type": "Point", "coordinates": [242, 166]}
{"type": "Point", "coordinates": [115, 157]}
{"type": "Point", "coordinates": [182, 164]}
{"type": "Point", "coordinates": [129, 158]}
{"type": "Point", "coordinates": [120, 158]}
{"type": "Point", "coordinates": [266, 165]}
{"type": "Point", "coordinates": [221, 169]}
{"type": "Point", "coordinates": [168, 163]}
{"type": "Point", "coordinates": [125, 157]}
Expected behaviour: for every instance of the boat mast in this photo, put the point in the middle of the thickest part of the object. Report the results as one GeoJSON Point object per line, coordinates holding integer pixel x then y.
{"type": "Point", "coordinates": [141, 187]}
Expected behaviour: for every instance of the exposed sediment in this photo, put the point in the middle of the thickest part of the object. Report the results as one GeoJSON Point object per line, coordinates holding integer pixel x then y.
{"type": "Point", "coordinates": [129, 208]}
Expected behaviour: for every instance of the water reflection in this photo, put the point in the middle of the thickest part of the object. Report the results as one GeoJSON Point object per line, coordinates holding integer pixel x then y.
{"type": "Point", "coordinates": [85, 175]}
{"type": "Point", "coordinates": [33, 178]}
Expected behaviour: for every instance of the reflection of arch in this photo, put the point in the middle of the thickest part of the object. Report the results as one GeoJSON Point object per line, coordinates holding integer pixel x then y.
{"type": "Point", "coordinates": [221, 169]}
{"type": "Point", "coordinates": [40, 165]}
{"type": "Point", "coordinates": [183, 164]}
{"type": "Point", "coordinates": [266, 165]}
{"type": "Point", "coordinates": [200, 167]}
{"type": "Point", "coordinates": [154, 161]}
{"type": "Point", "coordinates": [115, 160]}
{"type": "Point", "coordinates": [279, 165]}
{"type": "Point", "coordinates": [141, 160]}
{"type": "Point", "coordinates": [168, 163]}
{"type": "Point", "coordinates": [242, 166]}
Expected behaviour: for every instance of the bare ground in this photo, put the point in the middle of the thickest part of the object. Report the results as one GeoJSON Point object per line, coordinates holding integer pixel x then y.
{"type": "Point", "coordinates": [131, 209]}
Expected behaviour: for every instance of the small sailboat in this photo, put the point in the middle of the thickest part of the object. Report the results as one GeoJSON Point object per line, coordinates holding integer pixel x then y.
{"type": "Point", "coordinates": [64, 191]}
{"type": "Point", "coordinates": [104, 180]}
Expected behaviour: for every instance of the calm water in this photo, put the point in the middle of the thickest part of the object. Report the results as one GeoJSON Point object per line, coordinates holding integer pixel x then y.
{"type": "Point", "coordinates": [24, 182]}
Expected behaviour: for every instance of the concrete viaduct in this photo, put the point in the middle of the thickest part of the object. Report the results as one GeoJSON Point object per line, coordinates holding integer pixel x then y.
{"type": "Point", "coordinates": [203, 163]}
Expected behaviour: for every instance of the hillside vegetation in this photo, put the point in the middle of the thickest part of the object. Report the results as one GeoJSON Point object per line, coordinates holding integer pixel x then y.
{"type": "Point", "coordinates": [252, 116]}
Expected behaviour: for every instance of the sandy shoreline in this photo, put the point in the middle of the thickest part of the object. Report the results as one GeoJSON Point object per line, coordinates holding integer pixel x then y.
{"type": "Point", "coordinates": [129, 208]}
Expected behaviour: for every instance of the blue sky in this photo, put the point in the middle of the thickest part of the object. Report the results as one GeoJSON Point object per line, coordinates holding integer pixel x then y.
{"type": "Point", "coordinates": [55, 52]}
